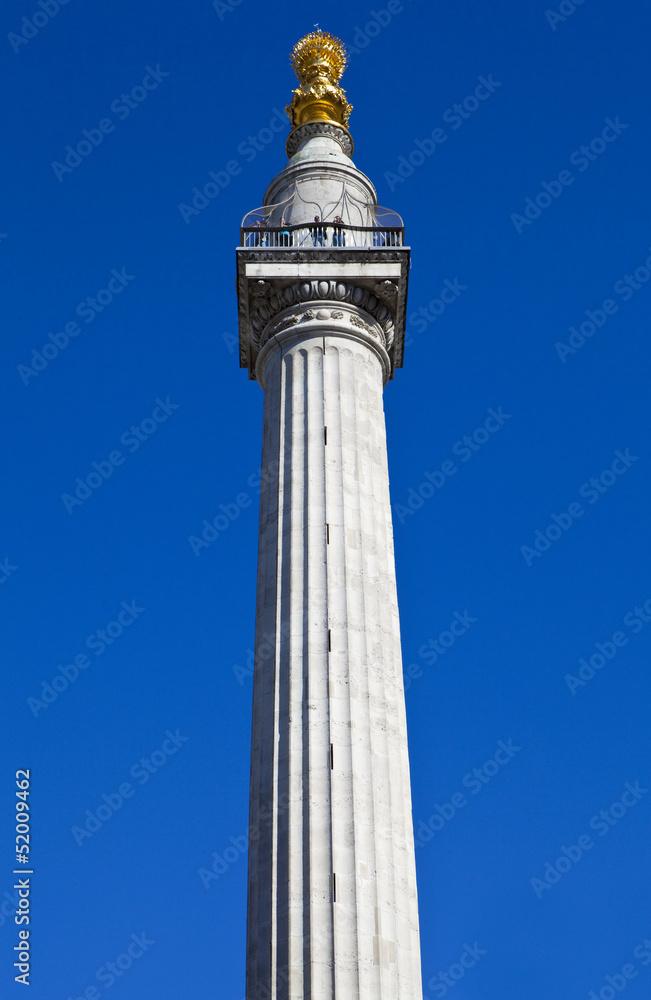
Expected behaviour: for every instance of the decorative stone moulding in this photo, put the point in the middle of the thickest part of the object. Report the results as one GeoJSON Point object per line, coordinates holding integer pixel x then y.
{"type": "Point", "coordinates": [372, 281]}
{"type": "Point", "coordinates": [311, 129]}
{"type": "Point", "coordinates": [270, 302]}
{"type": "Point", "coordinates": [348, 322]}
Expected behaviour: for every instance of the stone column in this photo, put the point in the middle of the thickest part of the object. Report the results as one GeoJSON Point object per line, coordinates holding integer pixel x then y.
{"type": "Point", "coordinates": [332, 886]}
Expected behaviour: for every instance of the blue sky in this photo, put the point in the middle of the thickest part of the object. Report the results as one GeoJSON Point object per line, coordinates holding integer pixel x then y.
{"type": "Point", "coordinates": [528, 235]}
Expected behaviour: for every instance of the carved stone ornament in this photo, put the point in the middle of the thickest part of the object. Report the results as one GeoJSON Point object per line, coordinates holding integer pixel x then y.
{"type": "Point", "coordinates": [283, 324]}
{"type": "Point", "coordinates": [313, 290]}
{"type": "Point", "coordinates": [260, 288]}
{"type": "Point", "coordinates": [361, 325]}
{"type": "Point", "coordinates": [310, 129]}
{"type": "Point", "coordinates": [386, 289]}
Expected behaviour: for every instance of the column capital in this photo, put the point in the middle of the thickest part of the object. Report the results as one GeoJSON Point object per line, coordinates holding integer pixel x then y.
{"type": "Point", "coordinates": [368, 287]}
{"type": "Point", "coordinates": [311, 323]}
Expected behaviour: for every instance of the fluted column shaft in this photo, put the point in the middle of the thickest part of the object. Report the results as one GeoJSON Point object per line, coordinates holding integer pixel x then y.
{"type": "Point", "coordinates": [332, 889]}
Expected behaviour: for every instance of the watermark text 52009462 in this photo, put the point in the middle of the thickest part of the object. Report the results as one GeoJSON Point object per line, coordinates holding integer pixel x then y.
{"type": "Point", "coordinates": [22, 917]}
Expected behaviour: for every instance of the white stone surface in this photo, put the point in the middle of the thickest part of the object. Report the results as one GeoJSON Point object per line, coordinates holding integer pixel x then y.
{"type": "Point", "coordinates": [312, 269]}
{"type": "Point", "coordinates": [321, 180]}
{"type": "Point", "coordinates": [332, 887]}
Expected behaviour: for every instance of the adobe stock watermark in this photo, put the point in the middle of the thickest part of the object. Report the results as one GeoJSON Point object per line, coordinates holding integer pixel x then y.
{"type": "Point", "coordinates": [465, 449]}
{"type": "Point", "coordinates": [239, 846]}
{"type": "Point", "coordinates": [88, 310]}
{"type": "Point", "coordinates": [378, 20]}
{"type": "Point", "coordinates": [8, 907]}
{"type": "Point", "coordinates": [474, 781]}
{"type": "Point", "coordinates": [441, 982]}
{"type": "Point", "coordinates": [581, 158]}
{"type": "Point", "coordinates": [592, 491]}
{"type": "Point", "coordinates": [131, 439]}
{"type": "Point", "coordinates": [30, 26]}
{"type": "Point", "coordinates": [602, 823]}
{"type": "Point", "coordinates": [229, 512]}
{"type": "Point", "coordinates": [98, 642]}
{"type": "Point", "coordinates": [435, 308]}
{"type": "Point", "coordinates": [455, 116]}
{"type": "Point", "coordinates": [232, 341]}
{"type": "Point", "coordinates": [625, 287]}
{"type": "Point", "coordinates": [430, 651]}
{"type": "Point", "coordinates": [635, 620]}
{"type": "Point", "coordinates": [224, 7]}
{"type": "Point", "coordinates": [264, 650]}
{"type": "Point", "coordinates": [248, 149]}
{"type": "Point", "coordinates": [7, 569]}
{"type": "Point", "coordinates": [618, 981]}
{"type": "Point", "coordinates": [565, 10]}
{"type": "Point", "coordinates": [141, 772]}
{"type": "Point", "coordinates": [110, 972]}
{"type": "Point", "coordinates": [121, 107]}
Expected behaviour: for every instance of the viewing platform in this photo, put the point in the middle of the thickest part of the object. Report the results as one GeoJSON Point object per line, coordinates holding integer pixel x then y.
{"type": "Point", "coordinates": [321, 234]}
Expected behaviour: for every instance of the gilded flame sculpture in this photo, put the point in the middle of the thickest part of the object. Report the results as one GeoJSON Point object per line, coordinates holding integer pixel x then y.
{"type": "Point", "coordinates": [319, 60]}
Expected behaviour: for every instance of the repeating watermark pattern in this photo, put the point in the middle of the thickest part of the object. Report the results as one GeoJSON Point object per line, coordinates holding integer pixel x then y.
{"type": "Point", "coordinates": [232, 341]}
{"type": "Point", "coordinates": [602, 823]}
{"type": "Point", "coordinates": [217, 525]}
{"type": "Point", "coordinates": [419, 321]}
{"type": "Point", "coordinates": [141, 772]}
{"type": "Point", "coordinates": [239, 846]}
{"type": "Point", "coordinates": [8, 907]}
{"type": "Point", "coordinates": [433, 648]}
{"type": "Point", "coordinates": [635, 619]}
{"type": "Point", "coordinates": [454, 116]}
{"type": "Point", "coordinates": [465, 449]}
{"type": "Point", "coordinates": [224, 7]}
{"type": "Point", "coordinates": [449, 294]}
{"type": "Point", "coordinates": [88, 310]}
{"type": "Point", "coordinates": [377, 22]}
{"type": "Point", "coordinates": [592, 491]}
{"type": "Point", "coordinates": [619, 981]}
{"type": "Point", "coordinates": [248, 149]}
{"type": "Point", "coordinates": [7, 569]}
{"type": "Point", "coordinates": [98, 642]}
{"type": "Point", "coordinates": [565, 10]}
{"type": "Point", "coordinates": [131, 439]}
{"type": "Point", "coordinates": [441, 982]}
{"type": "Point", "coordinates": [109, 973]}
{"type": "Point", "coordinates": [30, 26]}
{"type": "Point", "coordinates": [229, 512]}
{"type": "Point", "coordinates": [474, 781]}
{"type": "Point", "coordinates": [580, 158]}
{"type": "Point", "coordinates": [122, 107]}
{"type": "Point", "coordinates": [264, 650]}
{"type": "Point", "coordinates": [625, 287]}
{"type": "Point", "coordinates": [429, 652]}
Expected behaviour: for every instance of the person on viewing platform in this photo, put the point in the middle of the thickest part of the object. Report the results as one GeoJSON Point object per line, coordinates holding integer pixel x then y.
{"type": "Point", "coordinates": [254, 238]}
{"type": "Point", "coordinates": [338, 235]}
{"type": "Point", "coordinates": [284, 236]}
{"type": "Point", "coordinates": [317, 233]}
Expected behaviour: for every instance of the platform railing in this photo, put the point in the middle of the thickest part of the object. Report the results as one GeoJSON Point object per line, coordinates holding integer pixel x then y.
{"type": "Point", "coordinates": [320, 234]}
